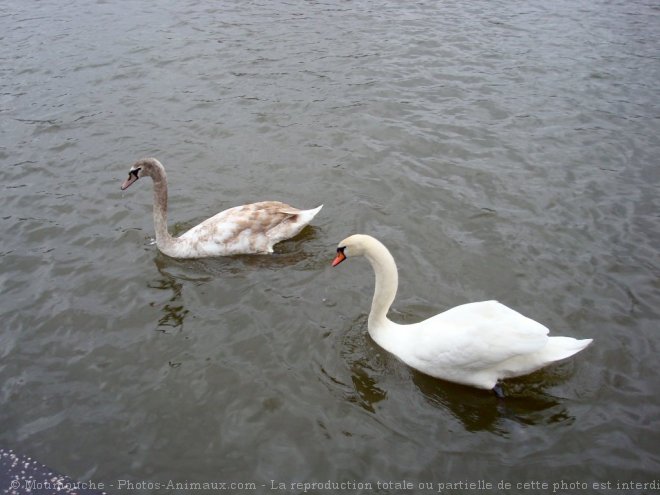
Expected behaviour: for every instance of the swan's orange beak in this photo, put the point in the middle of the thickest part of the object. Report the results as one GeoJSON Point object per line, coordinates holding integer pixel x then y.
{"type": "Point", "coordinates": [131, 178]}
{"type": "Point", "coordinates": [339, 258]}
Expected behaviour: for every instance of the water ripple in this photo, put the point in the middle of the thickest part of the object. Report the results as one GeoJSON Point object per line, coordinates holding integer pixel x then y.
{"type": "Point", "coordinates": [501, 151]}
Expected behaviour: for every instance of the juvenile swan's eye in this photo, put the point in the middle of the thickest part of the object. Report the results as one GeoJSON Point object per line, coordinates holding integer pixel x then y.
{"type": "Point", "coordinates": [134, 172]}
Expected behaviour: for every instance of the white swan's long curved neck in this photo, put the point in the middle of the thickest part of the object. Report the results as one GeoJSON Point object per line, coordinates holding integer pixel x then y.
{"type": "Point", "coordinates": [387, 281]}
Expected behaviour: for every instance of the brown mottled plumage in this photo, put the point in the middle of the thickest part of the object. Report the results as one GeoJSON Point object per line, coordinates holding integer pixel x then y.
{"type": "Point", "coordinates": [247, 229]}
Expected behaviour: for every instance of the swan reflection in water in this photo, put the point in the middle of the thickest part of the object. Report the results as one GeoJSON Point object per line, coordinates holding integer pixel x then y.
{"type": "Point", "coordinates": [527, 402]}
{"type": "Point", "coordinates": [174, 273]}
{"type": "Point", "coordinates": [174, 311]}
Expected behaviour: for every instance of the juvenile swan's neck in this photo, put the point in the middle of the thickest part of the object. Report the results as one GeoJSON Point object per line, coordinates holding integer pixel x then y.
{"type": "Point", "coordinates": [387, 281]}
{"type": "Point", "coordinates": [163, 237]}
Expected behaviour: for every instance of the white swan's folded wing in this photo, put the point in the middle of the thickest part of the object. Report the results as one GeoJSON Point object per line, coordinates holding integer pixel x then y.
{"type": "Point", "coordinates": [477, 336]}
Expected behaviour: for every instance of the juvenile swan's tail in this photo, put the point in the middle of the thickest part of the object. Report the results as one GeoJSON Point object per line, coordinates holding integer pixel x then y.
{"type": "Point", "coordinates": [299, 220]}
{"type": "Point", "coordinates": [307, 215]}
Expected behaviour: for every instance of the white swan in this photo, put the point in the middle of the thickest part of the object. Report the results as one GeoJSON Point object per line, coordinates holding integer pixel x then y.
{"type": "Point", "coordinates": [475, 344]}
{"type": "Point", "coordinates": [248, 229]}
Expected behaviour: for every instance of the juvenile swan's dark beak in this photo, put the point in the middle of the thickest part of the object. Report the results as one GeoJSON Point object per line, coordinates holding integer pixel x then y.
{"type": "Point", "coordinates": [132, 177]}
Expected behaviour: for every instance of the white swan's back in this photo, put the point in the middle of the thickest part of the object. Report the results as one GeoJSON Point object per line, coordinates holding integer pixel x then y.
{"type": "Point", "coordinates": [478, 344]}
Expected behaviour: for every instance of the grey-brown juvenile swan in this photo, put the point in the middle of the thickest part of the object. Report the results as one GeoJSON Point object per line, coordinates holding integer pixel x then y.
{"type": "Point", "coordinates": [248, 229]}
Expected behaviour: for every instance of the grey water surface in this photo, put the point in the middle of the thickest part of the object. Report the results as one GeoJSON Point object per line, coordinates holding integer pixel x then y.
{"type": "Point", "coordinates": [501, 150]}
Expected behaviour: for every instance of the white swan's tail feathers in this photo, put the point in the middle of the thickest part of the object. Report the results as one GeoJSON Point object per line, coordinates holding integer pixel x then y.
{"type": "Point", "coordinates": [559, 348]}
